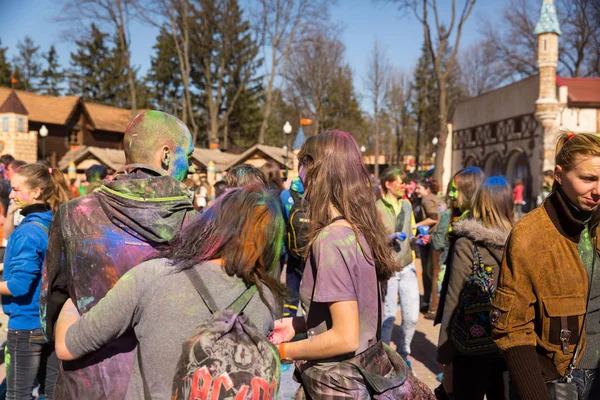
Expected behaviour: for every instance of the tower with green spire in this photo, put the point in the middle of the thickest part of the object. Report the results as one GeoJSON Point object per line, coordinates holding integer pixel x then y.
{"type": "Point", "coordinates": [546, 106]}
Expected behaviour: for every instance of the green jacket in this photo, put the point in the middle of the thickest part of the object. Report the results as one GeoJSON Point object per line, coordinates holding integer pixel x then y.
{"type": "Point", "coordinates": [398, 223]}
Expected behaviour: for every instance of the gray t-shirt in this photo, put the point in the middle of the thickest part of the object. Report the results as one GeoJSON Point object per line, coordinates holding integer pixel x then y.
{"type": "Point", "coordinates": [345, 272]}
{"type": "Point", "coordinates": [163, 308]}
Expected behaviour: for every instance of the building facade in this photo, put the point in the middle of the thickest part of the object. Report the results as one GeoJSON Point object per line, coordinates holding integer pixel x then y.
{"type": "Point", "coordinates": [512, 130]}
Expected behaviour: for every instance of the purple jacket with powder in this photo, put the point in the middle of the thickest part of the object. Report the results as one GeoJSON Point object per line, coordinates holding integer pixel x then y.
{"type": "Point", "coordinates": [93, 241]}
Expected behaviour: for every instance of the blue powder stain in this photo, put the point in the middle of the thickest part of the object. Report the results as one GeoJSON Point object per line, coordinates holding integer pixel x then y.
{"type": "Point", "coordinates": [83, 303]}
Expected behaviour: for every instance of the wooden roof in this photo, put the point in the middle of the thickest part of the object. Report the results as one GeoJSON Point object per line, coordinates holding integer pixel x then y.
{"type": "Point", "coordinates": [44, 109]}
{"type": "Point", "coordinates": [12, 104]}
{"type": "Point", "coordinates": [108, 118]}
{"type": "Point", "coordinates": [111, 158]}
{"type": "Point", "coordinates": [218, 157]}
{"type": "Point", "coordinates": [275, 153]}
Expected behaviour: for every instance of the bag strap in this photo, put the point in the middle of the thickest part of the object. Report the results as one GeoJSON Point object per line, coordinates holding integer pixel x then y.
{"type": "Point", "coordinates": [238, 304]}
{"type": "Point", "coordinates": [477, 260]}
{"type": "Point", "coordinates": [571, 367]}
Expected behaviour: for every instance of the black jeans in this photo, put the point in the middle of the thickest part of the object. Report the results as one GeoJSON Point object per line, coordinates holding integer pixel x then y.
{"type": "Point", "coordinates": [588, 383]}
{"type": "Point", "coordinates": [427, 276]}
{"type": "Point", "coordinates": [293, 276]}
{"type": "Point", "coordinates": [27, 357]}
{"type": "Point", "coordinates": [474, 377]}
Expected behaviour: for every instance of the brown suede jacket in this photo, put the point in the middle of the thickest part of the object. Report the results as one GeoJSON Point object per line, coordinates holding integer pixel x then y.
{"type": "Point", "coordinates": [542, 289]}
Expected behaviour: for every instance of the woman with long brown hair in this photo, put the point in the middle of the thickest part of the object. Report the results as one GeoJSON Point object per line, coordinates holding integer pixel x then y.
{"type": "Point", "coordinates": [349, 257]}
{"type": "Point", "coordinates": [479, 243]}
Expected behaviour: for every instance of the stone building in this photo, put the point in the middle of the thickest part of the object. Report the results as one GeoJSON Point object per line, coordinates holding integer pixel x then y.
{"type": "Point", "coordinates": [512, 130]}
{"type": "Point", "coordinates": [15, 136]}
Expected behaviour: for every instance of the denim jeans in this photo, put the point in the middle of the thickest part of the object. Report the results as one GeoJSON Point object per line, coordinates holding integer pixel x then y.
{"type": "Point", "coordinates": [27, 357]}
{"type": "Point", "coordinates": [588, 383]}
{"type": "Point", "coordinates": [404, 285]}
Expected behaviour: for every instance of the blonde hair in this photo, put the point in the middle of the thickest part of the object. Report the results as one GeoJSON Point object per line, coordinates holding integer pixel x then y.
{"type": "Point", "coordinates": [51, 182]}
{"type": "Point", "coordinates": [570, 145]}
{"type": "Point", "coordinates": [493, 204]}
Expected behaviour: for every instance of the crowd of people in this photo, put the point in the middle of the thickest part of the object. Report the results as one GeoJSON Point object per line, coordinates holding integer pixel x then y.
{"type": "Point", "coordinates": [145, 286]}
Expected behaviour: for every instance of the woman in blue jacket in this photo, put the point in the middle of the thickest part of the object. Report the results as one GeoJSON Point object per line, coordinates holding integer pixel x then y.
{"type": "Point", "coordinates": [37, 191]}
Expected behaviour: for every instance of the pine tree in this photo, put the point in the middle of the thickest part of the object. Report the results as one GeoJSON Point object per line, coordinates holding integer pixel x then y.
{"type": "Point", "coordinates": [425, 107]}
{"type": "Point", "coordinates": [5, 68]}
{"type": "Point", "coordinates": [52, 76]}
{"type": "Point", "coordinates": [98, 73]}
{"type": "Point", "coordinates": [164, 75]}
{"type": "Point", "coordinates": [88, 72]}
{"type": "Point", "coordinates": [224, 58]}
{"type": "Point", "coordinates": [341, 109]}
{"type": "Point", "coordinates": [28, 63]}
{"type": "Point", "coordinates": [116, 86]}
{"type": "Point", "coordinates": [243, 60]}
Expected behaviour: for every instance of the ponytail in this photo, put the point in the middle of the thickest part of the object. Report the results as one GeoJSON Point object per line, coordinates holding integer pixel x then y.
{"type": "Point", "coordinates": [59, 192]}
{"type": "Point", "coordinates": [51, 182]}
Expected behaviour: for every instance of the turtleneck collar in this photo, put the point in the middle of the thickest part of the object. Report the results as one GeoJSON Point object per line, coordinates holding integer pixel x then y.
{"type": "Point", "coordinates": [33, 208]}
{"type": "Point", "coordinates": [567, 218]}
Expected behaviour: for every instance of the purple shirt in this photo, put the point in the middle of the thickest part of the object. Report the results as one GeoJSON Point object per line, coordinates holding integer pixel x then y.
{"type": "Point", "coordinates": [345, 271]}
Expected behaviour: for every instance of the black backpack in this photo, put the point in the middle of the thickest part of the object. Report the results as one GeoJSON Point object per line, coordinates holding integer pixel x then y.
{"type": "Point", "coordinates": [226, 356]}
{"type": "Point", "coordinates": [471, 325]}
{"type": "Point", "coordinates": [297, 227]}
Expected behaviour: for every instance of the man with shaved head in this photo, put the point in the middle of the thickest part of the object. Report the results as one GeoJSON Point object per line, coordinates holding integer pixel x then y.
{"type": "Point", "coordinates": [95, 239]}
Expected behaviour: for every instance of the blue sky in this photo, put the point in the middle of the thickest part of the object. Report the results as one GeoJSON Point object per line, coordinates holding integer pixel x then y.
{"type": "Point", "coordinates": [363, 20]}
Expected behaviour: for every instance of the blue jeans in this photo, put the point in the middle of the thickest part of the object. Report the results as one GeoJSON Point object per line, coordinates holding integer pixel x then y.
{"type": "Point", "coordinates": [588, 383]}
{"type": "Point", "coordinates": [28, 357]}
{"type": "Point", "coordinates": [403, 285]}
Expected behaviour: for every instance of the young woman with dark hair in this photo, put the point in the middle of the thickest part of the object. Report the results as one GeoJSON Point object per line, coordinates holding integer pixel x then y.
{"type": "Point", "coordinates": [233, 244]}
{"type": "Point", "coordinates": [479, 238]}
{"type": "Point", "coordinates": [349, 257]}
{"type": "Point", "coordinates": [37, 191]}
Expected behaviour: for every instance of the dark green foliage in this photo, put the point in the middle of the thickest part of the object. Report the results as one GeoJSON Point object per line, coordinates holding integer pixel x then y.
{"type": "Point", "coordinates": [52, 76]}
{"type": "Point", "coordinates": [28, 62]}
{"type": "Point", "coordinates": [341, 109]}
{"type": "Point", "coordinates": [5, 67]}
{"type": "Point", "coordinates": [164, 76]}
{"type": "Point", "coordinates": [98, 72]}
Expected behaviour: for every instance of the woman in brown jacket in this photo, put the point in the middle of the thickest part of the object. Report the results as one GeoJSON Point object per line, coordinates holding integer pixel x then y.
{"type": "Point", "coordinates": [480, 238]}
{"type": "Point", "coordinates": [549, 271]}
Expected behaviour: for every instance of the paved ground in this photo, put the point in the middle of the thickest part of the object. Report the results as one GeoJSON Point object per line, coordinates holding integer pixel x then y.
{"type": "Point", "coordinates": [424, 348]}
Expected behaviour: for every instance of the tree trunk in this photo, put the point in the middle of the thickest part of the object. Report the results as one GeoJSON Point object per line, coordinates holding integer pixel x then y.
{"type": "Point", "coordinates": [376, 145]}
{"type": "Point", "coordinates": [418, 144]}
{"type": "Point", "coordinates": [269, 100]}
{"type": "Point", "coordinates": [226, 137]}
{"type": "Point", "coordinates": [127, 56]}
{"type": "Point", "coordinates": [443, 134]}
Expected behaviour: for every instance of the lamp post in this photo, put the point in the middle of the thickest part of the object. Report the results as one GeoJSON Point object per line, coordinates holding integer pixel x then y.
{"type": "Point", "coordinates": [43, 134]}
{"type": "Point", "coordinates": [287, 129]}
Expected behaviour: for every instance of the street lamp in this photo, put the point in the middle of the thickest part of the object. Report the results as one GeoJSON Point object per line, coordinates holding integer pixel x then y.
{"type": "Point", "coordinates": [43, 134]}
{"type": "Point", "coordinates": [287, 129]}
{"type": "Point", "coordinates": [363, 149]}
